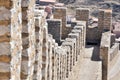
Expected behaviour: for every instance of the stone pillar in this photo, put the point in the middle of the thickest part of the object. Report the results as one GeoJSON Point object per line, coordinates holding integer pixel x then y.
{"type": "Point", "coordinates": [101, 20]}
{"type": "Point", "coordinates": [54, 64]}
{"type": "Point", "coordinates": [45, 54]}
{"type": "Point", "coordinates": [16, 40]}
{"type": "Point", "coordinates": [50, 57]}
{"type": "Point", "coordinates": [83, 35]}
{"type": "Point", "coordinates": [70, 55]}
{"type": "Point", "coordinates": [105, 20]}
{"type": "Point", "coordinates": [108, 20]}
{"type": "Point", "coordinates": [82, 14]}
{"type": "Point", "coordinates": [28, 35]}
{"type": "Point", "coordinates": [100, 23]}
{"type": "Point", "coordinates": [76, 36]}
{"type": "Point", "coordinates": [57, 64]}
{"type": "Point", "coordinates": [10, 39]}
{"type": "Point", "coordinates": [67, 66]}
{"type": "Point", "coordinates": [74, 48]}
{"type": "Point", "coordinates": [39, 23]}
{"type": "Point", "coordinates": [105, 62]}
{"type": "Point", "coordinates": [105, 54]}
{"type": "Point", "coordinates": [55, 28]}
{"type": "Point", "coordinates": [60, 13]}
{"type": "Point", "coordinates": [80, 38]}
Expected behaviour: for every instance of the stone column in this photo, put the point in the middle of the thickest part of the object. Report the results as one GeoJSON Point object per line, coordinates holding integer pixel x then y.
{"type": "Point", "coordinates": [81, 29]}
{"type": "Point", "coordinates": [60, 13]}
{"type": "Point", "coordinates": [80, 38]}
{"type": "Point", "coordinates": [50, 57]}
{"type": "Point", "coordinates": [10, 39]}
{"type": "Point", "coordinates": [76, 36]}
{"type": "Point", "coordinates": [39, 23]}
{"type": "Point", "coordinates": [70, 55]}
{"type": "Point", "coordinates": [108, 20]}
{"type": "Point", "coordinates": [55, 28]}
{"type": "Point", "coordinates": [73, 40]}
{"type": "Point", "coordinates": [105, 54]}
{"type": "Point", "coordinates": [54, 64]}
{"type": "Point", "coordinates": [82, 14]}
{"type": "Point", "coordinates": [45, 53]}
{"type": "Point", "coordinates": [105, 62]}
{"type": "Point", "coordinates": [105, 20]}
{"type": "Point", "coordinates": [28, 35]}
{"type": "Point", "coordinates": [67, 68]}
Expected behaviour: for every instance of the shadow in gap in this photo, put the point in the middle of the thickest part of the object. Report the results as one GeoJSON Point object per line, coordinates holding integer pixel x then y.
{"type": "Point", "coordinates": [96, 54]}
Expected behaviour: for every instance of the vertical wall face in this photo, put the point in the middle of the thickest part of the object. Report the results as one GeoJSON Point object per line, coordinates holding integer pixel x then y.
{"type": "Point", "coordinates": [60, 13]}
{"type": "Point", "coordinates": [105, 62]}
{"type": "Point", "coordinates": [28, 36]}
{"type": "Point", "coordinates": [108, 20]}
{"type": "Point", "coordinates": [39, 40]}
{"type": "Point", "coordinates": [105, 54]}
{"type": "Point", "coordinates": [105, 20]}
{"type": "Point", "coordinates": [10, 42]}
{"type": "Point", "coordinates": [16, 40]}
{"type": "Point", "coordinates": [101, 20]}
{"type": "Point", "coordinates": [45, 54]}
{"type": "Point", "coordinates": [55, 28]}
{"type": "Point", "coordinates": [83, 15]}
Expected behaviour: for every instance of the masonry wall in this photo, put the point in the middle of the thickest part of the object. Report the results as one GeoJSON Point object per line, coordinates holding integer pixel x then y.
{"type": "Point", "coordinates": [41, 58]}
{"type": "Point", "coordinates": [108, 54]}
{"type": "Point", "coordinates": [60, 13]}
{"type": "Point", "coordinates": [10, 42]}
{"type": "Point", "coordinates": [55, 29]}
{"type": "Point", "coordinates": [28, 38]}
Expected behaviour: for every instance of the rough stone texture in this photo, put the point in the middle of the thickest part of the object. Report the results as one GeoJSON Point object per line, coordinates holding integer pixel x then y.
{"type": "Point", "coordinates": [104, 20]}
{"type": "Point", "coordinates": [42, 58]}
{"type": "Point", "coordinates": [107, 54]}
{"type": "Point", "coordinates": [76, 36]}
{"type": "Point", "coordinates": [75, 49]}
{"type": "Point", "coordinates": [55, 28]}
{"type": "Point", "coordinates": [39, 43]}
{"type": "Point", "coordinates": [10, 42]}
{"type": "Point", "coordinates": [82, 14]}
{"type": "Point", "coordinates": [28, 32]}
{"type": "Point", "coordinates": [16, 40]}
{"type": "Point", "coordinates": [60, 13]}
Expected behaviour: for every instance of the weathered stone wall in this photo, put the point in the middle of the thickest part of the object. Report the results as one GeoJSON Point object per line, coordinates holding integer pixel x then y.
{"type": "Point", "coordinates": [60, 13]}
{"type": "Point", "coordinates": [41, 58]}
{"type": "Point", "coordinates": [108, 54]}
{"type": "Point", "coordinates": [105, 20]}
{"type": "Point", "coordinates": [28, 38]}
{"type": "Point", "coordinates": [54, 28]}
{"type": "Point", "coordinates": [104, 52]}
{"type": "Point", "coordinates": [10, 39]}
{"type": "Point", "coordinates": [114, 51]}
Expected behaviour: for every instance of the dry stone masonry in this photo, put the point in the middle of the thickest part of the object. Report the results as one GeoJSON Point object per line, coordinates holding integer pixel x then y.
{"type": "Point", "coordinates": [10, 39]}
{"type": "Point", "coordinates": [33, 48]}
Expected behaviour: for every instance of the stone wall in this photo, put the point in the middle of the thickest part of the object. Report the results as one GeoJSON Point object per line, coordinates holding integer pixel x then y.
{"type": "Point", "coordinates": [108, 54]}
{"type": "Point", "coordinates": [10, 39]}
{"type": "Point", "coordinates": [28, 51]}
{"type": "Point", "coordinates": [54, 28]}
{"type": "Point", "coordinates": [28, 38]}
{"type": "Point", "coordinates": [105, 20]}
{"type": "Point", "coordinates": [60, 13]}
